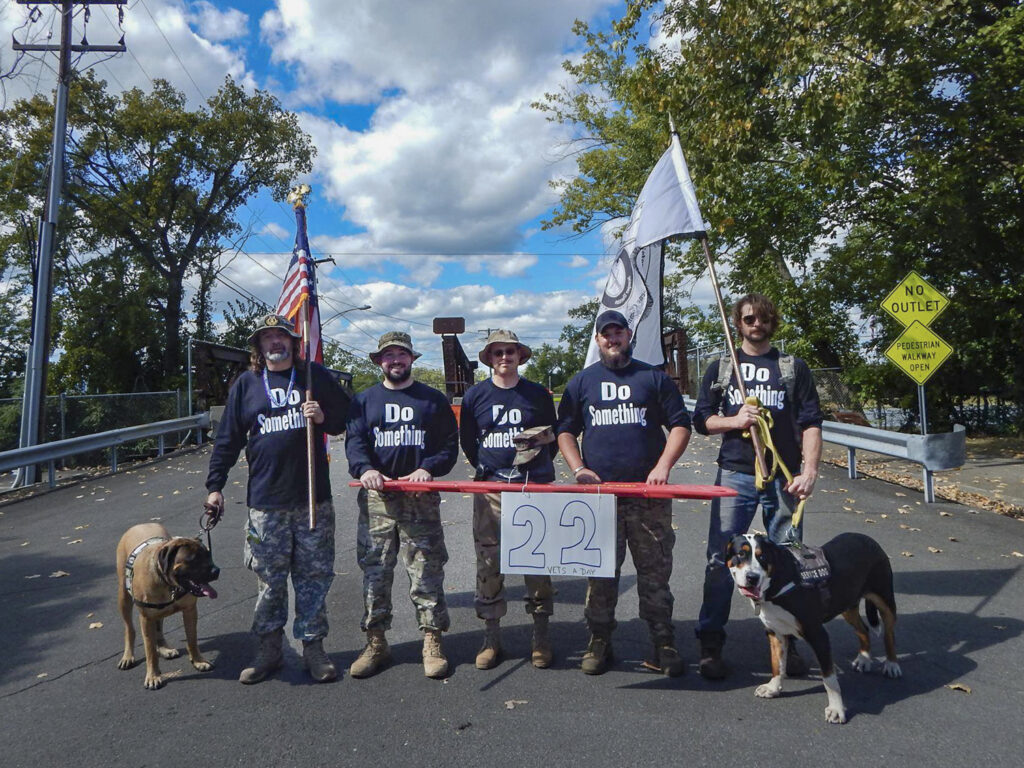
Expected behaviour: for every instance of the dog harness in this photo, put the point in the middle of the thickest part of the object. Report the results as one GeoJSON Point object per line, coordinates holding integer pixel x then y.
{"type": "Point", "coordinates": [129, 571]}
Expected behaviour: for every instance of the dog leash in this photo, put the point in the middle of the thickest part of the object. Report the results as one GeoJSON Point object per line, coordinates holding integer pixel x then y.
{"type": "Point", "coordinates": [763, 425]}
{"type": "Point", "coordinates": [212, 514]}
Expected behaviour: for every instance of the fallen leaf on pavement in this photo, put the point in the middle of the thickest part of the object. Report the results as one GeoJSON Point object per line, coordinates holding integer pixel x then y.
{"type": "Point", "coordinates": [59, 574]}
{"type": "Point", "coordinates": [907, 554]}
{"type": "Point", "coordinates": [76, 541]}
{"type": "Point", "coordinates": [959, 687]}
{"type": "Point", "coordinates": [513, 703]}
{"type": "Point", "coordinates": [96, 625]}
{"type": "Point", "coordinates": [1015, 553]}
{"type": "Point", "coordinates": [934, 550]}
{"type": "Point", "coordinates": [945, 514]}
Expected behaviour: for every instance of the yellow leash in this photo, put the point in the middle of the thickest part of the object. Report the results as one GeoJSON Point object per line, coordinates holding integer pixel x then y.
{"type": "Point", "coordinates": [763, 425]}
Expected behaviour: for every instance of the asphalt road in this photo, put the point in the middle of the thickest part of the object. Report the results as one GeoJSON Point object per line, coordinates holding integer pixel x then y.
{"type": "Point", "coordinates": [64, 702]}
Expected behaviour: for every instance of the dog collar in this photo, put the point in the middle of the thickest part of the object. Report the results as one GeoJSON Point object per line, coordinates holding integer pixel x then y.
{"type": "Point", "coordinates": [129, 571]}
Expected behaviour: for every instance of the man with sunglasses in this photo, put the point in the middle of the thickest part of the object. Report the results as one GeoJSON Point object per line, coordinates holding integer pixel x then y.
{"type": "Point", "coordinates": [784, 386]}
{"type": "Point", "coordinates": [495, 414]}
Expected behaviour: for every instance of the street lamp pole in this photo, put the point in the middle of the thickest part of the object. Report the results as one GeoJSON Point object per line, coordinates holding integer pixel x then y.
{"type": "Point", "coordinates": [343, 312]}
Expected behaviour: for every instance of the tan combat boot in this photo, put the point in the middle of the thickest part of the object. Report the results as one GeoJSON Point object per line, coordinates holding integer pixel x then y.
{"type": "Point", "coordinates": [269, 659]}
{"type": "Point", "coordinates": [598, 656]}
{"type": "Point", "coordinates": [318, 663]}
{"type": "Point", "coordinates": [375, 655]}
{"type": "Point", "coordinates": [490, 654]}
{"type": "Point", "coordinates": [542, 655]}
{"type": "Point", "coordinates": [435, 665]}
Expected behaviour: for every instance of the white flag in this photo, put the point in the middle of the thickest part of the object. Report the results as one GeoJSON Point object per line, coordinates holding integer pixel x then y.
{"type": "Point", "coordinates": [667, 207]}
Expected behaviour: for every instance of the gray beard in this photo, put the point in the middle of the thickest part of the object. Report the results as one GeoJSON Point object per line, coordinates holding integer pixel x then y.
{"type": "Point", "coordinates": [277, 357]}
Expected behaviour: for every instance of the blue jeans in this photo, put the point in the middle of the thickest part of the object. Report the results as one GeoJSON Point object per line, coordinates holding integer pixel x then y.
{"type": "Point", "coordinates": [730, 516]}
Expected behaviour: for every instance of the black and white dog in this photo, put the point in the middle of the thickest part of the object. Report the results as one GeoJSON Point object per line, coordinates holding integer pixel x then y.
{"type": "Point", "coordinates": [856, 568]}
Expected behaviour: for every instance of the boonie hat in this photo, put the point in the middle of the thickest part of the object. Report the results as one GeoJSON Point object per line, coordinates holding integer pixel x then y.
{"type": "Point", "coordinates": [610, 317]}
{"type": "Point", "coordinates": [503, 337]}
{"type": "Point", "coordinates": [393, 339]}
{"type": "Point", "coordinates": [529, 443]}
{"type": "Point", "coordinates": [276, 322]}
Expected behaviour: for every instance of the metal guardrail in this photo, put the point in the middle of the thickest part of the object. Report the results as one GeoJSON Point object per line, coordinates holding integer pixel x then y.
{"type": "Point", "coordinates": [49, 453]}
{"type": "Point", "coordinates": [933, 452]}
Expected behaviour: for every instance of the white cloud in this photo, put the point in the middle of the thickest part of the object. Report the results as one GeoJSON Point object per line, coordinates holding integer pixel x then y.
{"type": "Point", "coordinates": [578, 262]}
{"type": "Point", "coordinates": [218, 25]}
{"type": "Point", "coordinates": [167, 48]}
{"type": "Point", "coordinates": [274, 229]}
{"type": "Point", "coordinates": [455, 158]}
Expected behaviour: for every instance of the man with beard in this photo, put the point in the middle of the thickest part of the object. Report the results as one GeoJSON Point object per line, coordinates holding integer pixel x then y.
{"type": "Point", "coordinates": [784, 386]}
{"type": "Point", "coordinates": [622, 406]}
{"type": "Point", "coordinates": [266, 414]}
{"type": "Point", "coordinates": [400, 429]}
{"type": "Point", "coordinates": [494, 413]}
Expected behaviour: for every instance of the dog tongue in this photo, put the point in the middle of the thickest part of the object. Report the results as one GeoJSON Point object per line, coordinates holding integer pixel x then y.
{"type": "Point", "coordinates": [753, 594]}
{"type": "Point", "coordinates": [209, 591]}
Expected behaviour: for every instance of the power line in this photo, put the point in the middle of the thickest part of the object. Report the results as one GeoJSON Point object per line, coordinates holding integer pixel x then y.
{"type": "Point", "coordinates": [173, 52]}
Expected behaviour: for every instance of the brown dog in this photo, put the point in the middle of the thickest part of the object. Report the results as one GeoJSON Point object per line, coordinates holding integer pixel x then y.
{"type": "Point", "coordinates": [162, 575]}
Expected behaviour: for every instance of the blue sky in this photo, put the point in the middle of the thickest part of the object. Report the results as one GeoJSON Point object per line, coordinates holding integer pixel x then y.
{"type": "Point", "coordinates": [433, 170]}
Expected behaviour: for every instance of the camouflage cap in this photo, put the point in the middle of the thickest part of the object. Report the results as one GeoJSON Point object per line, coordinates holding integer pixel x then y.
{"type": "Point", "coordinates": [530, 442]}
{"type": "Point", "coordinates": [393, 339]}
{"type": "Point", "coordinates": [275, 322]}
{"type": "Point", "coordinates": [503, 337]}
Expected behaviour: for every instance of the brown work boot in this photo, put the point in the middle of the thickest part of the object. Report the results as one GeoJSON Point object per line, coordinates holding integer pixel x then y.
{"type": "Point", "coordinates": [541, 656]}
{"type": "Point", "coordinates": [598, 656]}
{"type": "Point", "coordinates": [375, 655]}
{"type": "Point", "coordinates": [435, 665]}
{"type": "Point", "coordinates": [269, 659]}
{"type": "Point", "coordinates": [490, 654]}
{"type": "Point", "coordinates": [795, 664]}
{"type": "Point", "coordinates": [666, 660]}
{"type": "Point", "coordinates": [320, 667]}
{"type": "Point", "coordinates": [712, 667]}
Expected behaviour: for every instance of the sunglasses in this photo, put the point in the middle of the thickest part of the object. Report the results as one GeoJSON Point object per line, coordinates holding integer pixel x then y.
{"type": "Point", "coordinates": [507, 352]}
{"type": "Point", "coordinates": [751, 319]}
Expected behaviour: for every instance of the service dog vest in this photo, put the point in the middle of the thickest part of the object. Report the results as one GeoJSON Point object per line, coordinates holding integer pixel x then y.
{"type": "Point", "coordinates": [129, 572]}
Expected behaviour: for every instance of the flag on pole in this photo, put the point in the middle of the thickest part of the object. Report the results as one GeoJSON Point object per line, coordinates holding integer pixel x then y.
{"type": "Point", "coordinates": [300, 287]}
{"type": "Point", "coordinates": [667, 207]}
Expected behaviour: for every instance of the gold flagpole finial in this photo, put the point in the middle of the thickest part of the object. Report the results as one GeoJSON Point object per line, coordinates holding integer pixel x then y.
{"type": "Point", "coordinates": [298, 194]}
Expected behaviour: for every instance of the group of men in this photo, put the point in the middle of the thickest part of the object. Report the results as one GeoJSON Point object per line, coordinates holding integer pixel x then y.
{"type": "Point", "coordinates": [618, 420]}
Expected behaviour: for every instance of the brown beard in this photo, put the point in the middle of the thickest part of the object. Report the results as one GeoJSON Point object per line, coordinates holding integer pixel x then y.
{"type": "Point", "coordinates": [616, 360]}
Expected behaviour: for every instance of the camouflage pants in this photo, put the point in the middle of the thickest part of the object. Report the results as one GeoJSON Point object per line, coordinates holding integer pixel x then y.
{"type": "Point", "coordinates": [646, 526]}
{"type": "Point", "coordinates": [490, 583]}
{"type": "Point", "coordinates": [278, 542]}
{"type": "Point", "coordinates": [411, 522]}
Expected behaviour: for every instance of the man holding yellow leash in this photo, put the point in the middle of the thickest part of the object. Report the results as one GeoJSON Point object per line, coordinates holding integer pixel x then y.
{"type": "Point", "coordinates": [789, 407]}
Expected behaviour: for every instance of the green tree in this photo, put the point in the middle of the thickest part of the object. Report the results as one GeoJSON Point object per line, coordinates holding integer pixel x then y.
{"type": "Point", "coordinates": [834, 146]}
{"type": "Point", "coordinates": [155, 184]}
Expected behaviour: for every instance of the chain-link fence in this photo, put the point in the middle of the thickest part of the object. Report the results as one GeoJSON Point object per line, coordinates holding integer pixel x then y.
{"type": "Point", "coordinates": [77, 415]}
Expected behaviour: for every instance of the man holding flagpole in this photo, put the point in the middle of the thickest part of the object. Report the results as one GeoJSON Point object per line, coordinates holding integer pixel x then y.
{"type": "Point", "coordinates": [266, 415]}
{"type": "Point", "coordinates": [291, 517]}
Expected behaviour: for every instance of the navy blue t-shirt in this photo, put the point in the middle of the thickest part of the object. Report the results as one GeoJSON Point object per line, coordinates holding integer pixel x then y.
{"type": "Point", "coordinates": [621, 414]}
{"type": "Point", "coordinates": [274, 436]}
{"type": "Point", "coordinates": [491, 416]}
{"type": "Point", "coordinates": [397, 431]}
{"type": "Point", "coordinates": [762, 377]}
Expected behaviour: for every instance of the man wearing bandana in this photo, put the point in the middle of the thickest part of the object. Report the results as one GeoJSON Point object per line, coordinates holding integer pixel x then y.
{"type": "Point", "coordinates": [266, 413]}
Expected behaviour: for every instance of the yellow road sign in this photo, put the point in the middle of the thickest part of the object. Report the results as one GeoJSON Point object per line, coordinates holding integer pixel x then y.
{"type": "Point", "coordinates": [914, 299]}
{"type": "Point", "coordinates": [918, 352]}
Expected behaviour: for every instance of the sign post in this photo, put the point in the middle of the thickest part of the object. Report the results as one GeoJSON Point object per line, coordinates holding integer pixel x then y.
{"type": "Point", "coordinates": [918, 351]}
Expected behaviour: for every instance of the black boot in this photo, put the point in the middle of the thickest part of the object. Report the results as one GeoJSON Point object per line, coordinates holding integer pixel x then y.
{"type": "Point", "coordinates": [712, 667]}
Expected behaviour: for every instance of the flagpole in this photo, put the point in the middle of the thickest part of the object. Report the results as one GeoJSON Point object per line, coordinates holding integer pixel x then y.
{"type": "Point", "coordinates": [754, 437]}
{"type": "Point", "coordinates": [298, 202]}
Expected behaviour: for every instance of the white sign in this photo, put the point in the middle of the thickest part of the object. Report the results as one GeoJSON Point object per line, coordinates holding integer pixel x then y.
{"type": "Point", "coordinates": [558, 534]}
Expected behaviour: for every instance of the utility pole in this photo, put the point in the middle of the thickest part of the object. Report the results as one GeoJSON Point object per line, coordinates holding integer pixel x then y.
{"type": "Point", "coordinates": [33, 409]}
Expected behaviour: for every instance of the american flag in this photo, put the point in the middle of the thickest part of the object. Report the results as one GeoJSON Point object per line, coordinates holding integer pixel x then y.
{"type": "Point", "coordinates": [299, 287]}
